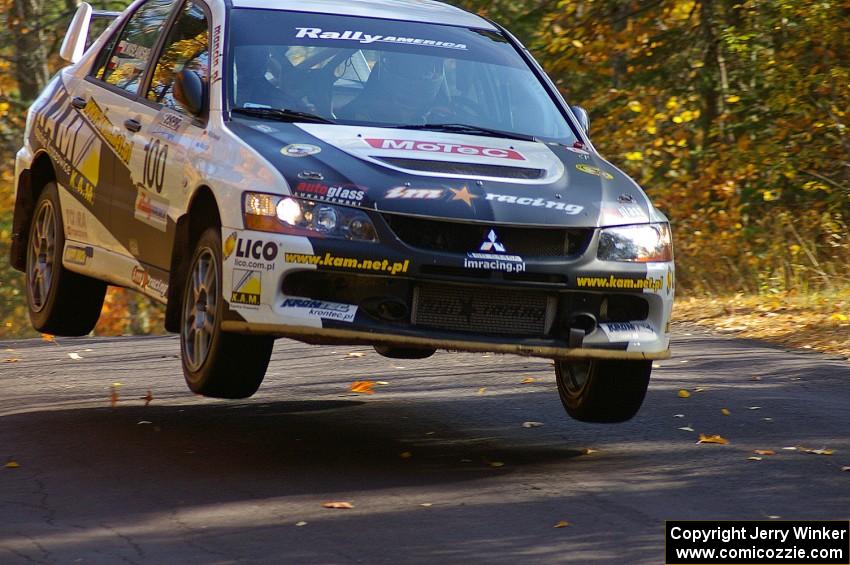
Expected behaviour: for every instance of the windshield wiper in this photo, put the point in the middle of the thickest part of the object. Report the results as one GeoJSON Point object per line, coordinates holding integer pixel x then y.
{"type": "Point", "coordinates": [283, 114]}
{"type": "Point", "coordinates": [466, 128]}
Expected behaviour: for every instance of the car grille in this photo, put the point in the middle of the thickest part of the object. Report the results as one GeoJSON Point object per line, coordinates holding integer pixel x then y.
{"type": "Point", "coordinates": [470, 169]}
{"type": "Point", "coordinates": [455, 237]}
{"type": "Point", "coordinates": [483, 310]}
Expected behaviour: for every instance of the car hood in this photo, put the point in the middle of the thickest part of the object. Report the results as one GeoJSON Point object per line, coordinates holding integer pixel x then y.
{"type": "Point", "coordinates": [449, 175]}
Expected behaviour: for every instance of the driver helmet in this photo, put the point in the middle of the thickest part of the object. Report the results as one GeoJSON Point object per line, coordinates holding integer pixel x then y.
{"type": "Point", "coordinates": [410, 81]}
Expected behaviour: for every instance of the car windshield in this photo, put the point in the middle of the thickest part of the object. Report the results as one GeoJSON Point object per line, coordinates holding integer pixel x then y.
{"type": "Point", "coordinates": [388, 73]}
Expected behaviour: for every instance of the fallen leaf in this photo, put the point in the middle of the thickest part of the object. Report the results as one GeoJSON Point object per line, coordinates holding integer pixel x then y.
{"type": "Point", "coordinates": [686, 429]}
{"type": "Point", "coordinates": [684, 394]}
{"type": "Point", "coordinates": [846, 468]}
{"type": "Point", "coordinates": [528, 380]}
{"type": "Point", "coordinates": [588, 451]}
{"type": "Point", "coordinates": [405, 455]}
{"type": "Point", "coordinates": [774, 517]}
{"type": "Point", "coordinates": [753, 407]}
{"type": "Point", "coordinates": [755, 378]}
{"type": "Point", "coordinates": [700, 389]}
{"type": "Point", "coordinates": [147, 398]}
{"type": "Point", "coordinates": [143, 422]}
{"type": "Point", "coordinates": [767, 419]}
{"type": "Point", "coordinates": [656, 365]}
{"type": "Point", "coordinates": [75, 356]}
{"type": "Point", "coordinates": [496, 464]}
{"type": "Point", "coordinates": [753, 458]}
{"type": "Point", "coordinates": [482, 390]}
{"type": "Point", "coordinates": [11, 360]}
{"type": "Point", "coordinates": [117, 384]}
{"type": "Point", "coordinates": [822, 451]}
{"type": "Point", "coordinates": [299, 524]}
{"type": "Point", "coordinates": [426, 504]}
{"type": "Point", "coordinates": [764, 452]}
{"type": "Point", "coordinates": [11, 465]}
{"type": "Point", "coordinates": [561, 524]}
{"type": "Point", "coordinates": [790, 448]}
{"type": "Point", "coordinates": [712, 439]}
{"type": "Point", "coordinates": [678, 415]}
{"type": "Point", "coordinates": [338, 505]}
{"type": "Point", "coordinates": [113, 396]}
{"type": "Point", "coordinates": [725, 411]}
{"type": "Point", "coordinates": [532, 424]}
{"type": "Point", "coordinates": [356, 354]}
{"type": "Point", "coordinates": [363, 387]}
{"type": "Point", "coordinates": [381, 383]}
{"type": "Point", "coordinates": [48, 338]}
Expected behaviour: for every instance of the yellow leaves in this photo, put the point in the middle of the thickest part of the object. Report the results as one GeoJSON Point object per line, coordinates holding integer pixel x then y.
{"type": "Point", "coordinates": [770, 195]}
{"type": "Point", "coordinates": [11, 464]}
{"type": "Point", "coordinates": [712, 439]}
{"type": "Point", "coordinates": [482, 390]}
{"type": "Point", "coordinates": [725, 411]}
{"type": "Point", "coordinates": [634, 156]}
{"type": "Point", "coordinates": [764, 452]}
{"type": "Point", "coordinates": [577, 44]}
{"type": "Point", "coordinates": [686, 116]}
{"type": "Point", "coordinates": [48, 338]}
{"type": "Point", "coordinates": [363, 387]}
{"type": "Point", "coordinates": [684, 394]}
{"type": "Point", "coordinates": [561, 524]}
{"type": "Point", "coordinates": [635, 106]}
{"type": "Point", "coordinates": [822, 451]}
{"type": "Point", "coordinates": [338, 505]}
{"type": "Point", "coordinates": [356, 354]}
{"type": "Point", "coordinates": [405, 454]}
{"type": "Point", "coordinates": [301, 523]}
{"type": "Point", "coordinates": [732, 99]}
{"type": "Point", "coordinates": [837, 318]}
{"type": "Point", "coordinates": [11, 360]}
{"type": "Point", "coordinates": [528, 380]}
{"type": "Point", "coordinates": [496, 464]}
{"type": "Point", "coordinates": [651, 129]}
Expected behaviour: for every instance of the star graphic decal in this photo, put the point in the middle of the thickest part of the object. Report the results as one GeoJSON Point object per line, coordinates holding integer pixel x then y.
{"type": "Point", "coordinates": [463, 194]}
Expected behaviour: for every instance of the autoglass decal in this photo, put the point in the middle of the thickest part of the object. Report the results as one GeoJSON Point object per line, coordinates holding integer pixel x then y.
{"type": "Point", "coordinates": [366, 38]}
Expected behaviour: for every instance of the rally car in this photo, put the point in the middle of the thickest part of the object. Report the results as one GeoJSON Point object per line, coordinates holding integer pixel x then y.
{"type": "Point", "coordinates": [402, 175]}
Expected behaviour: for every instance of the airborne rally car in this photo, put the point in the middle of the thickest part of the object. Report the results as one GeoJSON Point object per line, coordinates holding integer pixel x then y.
{"type": "Point", "coordinates": [397, 174]}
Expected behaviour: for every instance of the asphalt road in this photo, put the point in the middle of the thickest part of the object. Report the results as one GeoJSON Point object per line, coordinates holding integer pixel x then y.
{"type": "Point", "coordinates": [192, 480]}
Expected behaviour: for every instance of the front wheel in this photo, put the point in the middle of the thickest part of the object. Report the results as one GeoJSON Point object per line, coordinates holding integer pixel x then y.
{"type": "Point", "coordinates": [602, 391]}
{"type": "Point", "coordinates": [216, 363]}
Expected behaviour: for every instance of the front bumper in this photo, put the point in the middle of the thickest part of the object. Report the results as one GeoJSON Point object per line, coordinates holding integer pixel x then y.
{"type": "Point", "coordinates": [333, 292]}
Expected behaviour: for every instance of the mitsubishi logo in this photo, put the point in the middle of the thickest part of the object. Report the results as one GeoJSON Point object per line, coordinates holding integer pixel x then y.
{"type": "Point", "coordinates": [491, 243]}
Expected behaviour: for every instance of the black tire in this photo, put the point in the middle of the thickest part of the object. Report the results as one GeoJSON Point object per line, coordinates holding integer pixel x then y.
{"type": "Point", "coordinates": [60, 301]}
{"type": "Point", "coordinates": [216, 363]}
{"type": "Point", "coordinates": [602, 391]}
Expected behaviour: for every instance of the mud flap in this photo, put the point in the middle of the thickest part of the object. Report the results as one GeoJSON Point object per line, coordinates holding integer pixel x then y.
{"type": "Point", "coordinates": [24, 206]}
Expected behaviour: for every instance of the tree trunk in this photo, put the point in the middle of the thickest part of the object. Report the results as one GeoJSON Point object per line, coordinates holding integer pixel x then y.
{"type": "Point", "coordinates": [31, 70]}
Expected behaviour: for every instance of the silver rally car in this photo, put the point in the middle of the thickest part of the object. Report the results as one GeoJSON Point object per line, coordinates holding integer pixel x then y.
{"type": "Point", "coordinates": [401, 174]}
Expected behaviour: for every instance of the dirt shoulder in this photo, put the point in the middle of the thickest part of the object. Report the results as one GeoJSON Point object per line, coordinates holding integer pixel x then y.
{"type": "Point", "coordinates": [813, 321]}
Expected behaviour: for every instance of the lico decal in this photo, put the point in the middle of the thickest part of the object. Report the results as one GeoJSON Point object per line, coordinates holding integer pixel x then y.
{"type": "Point", "coordinates": [571, 209]}
{"type": "Point", "coordinates": [247, 287]}
{"type": "Point", "coordinates": [300, 150]}
{"type": "Point", "coordinates": [344, 194]}
{"type": "Point", "coordinates": [494, 262]}
{"type": "Point", "coordinates": [322, 309]}
{"type": "Point", "coordinates": [612, 281]}
{"type": "Point", "coordinates": [360, 37]}
{"type": "Point", "coordinates": [120, 143]}
{"type": "Point", "coordinates": [445, 148]}
{"type": "Point", "coordinates": [329, 260]}
{"type": "Point", "coordinates": [628, 331]}
{"type": "Point", "coordinates": [596, 171]}
{"type": "Point", "coordinates": [151, 209]}
{"type": "Point", "coordinates": [255, 254]}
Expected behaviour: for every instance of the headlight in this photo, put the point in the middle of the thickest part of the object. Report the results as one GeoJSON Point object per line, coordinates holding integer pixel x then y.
{"type": "Point", "coordinates": [640, 244]}
{"type": "Point", "coordinates": [284, 214]}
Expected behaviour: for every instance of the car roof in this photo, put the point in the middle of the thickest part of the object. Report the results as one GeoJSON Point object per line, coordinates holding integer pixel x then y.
{"type": "Point", "coordinates": [426, 11]}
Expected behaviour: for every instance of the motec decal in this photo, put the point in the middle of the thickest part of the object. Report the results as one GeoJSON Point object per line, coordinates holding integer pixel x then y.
{"type": "Point", "coordinates": [300, 150]}
{"type": "Point", "coordinates": [444, 148]}
{"type": "Point", "coordinates": [571, 209]}
{"type": "Point", "coordinates": [247, 287]}
{"type": "Point", "coordinates": [255, 253]}
{"type": "Point", "coordinates": [596, 171]}
{"type": "Point", "coordinates": [321, 309]}
{"type": "Point", "coordinates": [650, 283]}
{"type": "Point", "coordinates": [330, 260]}
{"type": "Point", "coordinates": [73, 146]}
{"type": "Point", "coordinates": [360, 37]}
{"type": "Point", "coordinates": [120, 143]}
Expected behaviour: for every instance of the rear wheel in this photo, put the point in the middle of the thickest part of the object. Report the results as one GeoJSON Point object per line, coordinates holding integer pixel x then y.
{"type": "Point", "coordinates": [60, 301]}
{"type": "Point", "coordinates": [602, 391]}
{"type": "Point", "coordinates": [216, 363]}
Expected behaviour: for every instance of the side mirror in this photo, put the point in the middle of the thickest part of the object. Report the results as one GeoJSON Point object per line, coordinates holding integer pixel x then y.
{"type": "Point", "coordinates": [582, 117]}
{"type": "Point", "coordinates": [74, 43]}
{"type": "Point", "coordinates": [189, 91]}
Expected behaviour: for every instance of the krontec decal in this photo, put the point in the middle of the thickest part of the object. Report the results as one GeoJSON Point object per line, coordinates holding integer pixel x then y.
{"type": "Point", "coordinates": [329, 260]}
{"type": "Point", "coordinates": [612, 281]}
{"type": "Point", "coordinates": [360, 37]}
{"type": "Point", "coordinates": [628, 331]}
{"type": "Point", "coordinates": [321, 309]}
{"type": "Point", "coordinates": [570, 209]}
{"type": "Point", "coordinates": [151, 209]}
{"type": "Point", "coordinates": [445, 148]}
{"type": "Point", "coordinates": [343, 194]}
{"type": "Point", "coordinates": [594, 171]}
{"type": "Point", "coordinates": [252, 253]}
{"type": "Point", "coordinates": [247, 287]}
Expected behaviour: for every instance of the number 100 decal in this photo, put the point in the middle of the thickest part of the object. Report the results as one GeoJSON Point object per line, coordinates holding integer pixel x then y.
{"type": "Point", "coordinates": [154, 170]}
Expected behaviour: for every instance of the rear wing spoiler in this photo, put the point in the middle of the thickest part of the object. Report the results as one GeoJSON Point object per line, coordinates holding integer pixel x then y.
{"type": "Point", "coordinates": [74, 43]}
